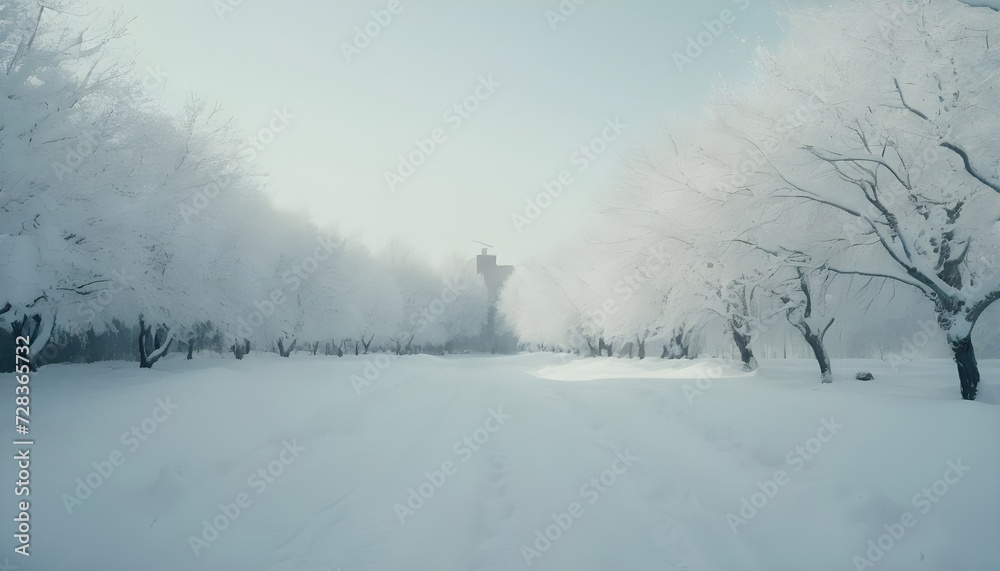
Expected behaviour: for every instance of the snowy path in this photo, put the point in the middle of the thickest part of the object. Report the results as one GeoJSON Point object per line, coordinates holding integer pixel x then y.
{"type": "Point", "coordinates": [505, 450]}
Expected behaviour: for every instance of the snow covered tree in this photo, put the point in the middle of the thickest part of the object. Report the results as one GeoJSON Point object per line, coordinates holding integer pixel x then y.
{"type": "Point", "coordinates": [537, 304]}
{"type": "Point", "coordinates": [804, 301]}
{"type": "Point", "coordinates": [898, 155]}
{"type": "Point", "coordinates": [376, 304]}
{"type": "Point", "coordinates": [464, 299]}
{"type": "Point", "coordinates": [53, 84]}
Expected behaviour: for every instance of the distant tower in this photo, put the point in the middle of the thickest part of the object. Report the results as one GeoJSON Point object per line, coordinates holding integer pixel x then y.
{"type": "Point", "coordinates": [495, 335]}
{"type": "Point", "coordinates": [493, 275]}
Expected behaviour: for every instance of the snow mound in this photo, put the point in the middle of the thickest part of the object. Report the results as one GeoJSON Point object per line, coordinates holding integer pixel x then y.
{"type": "Point", "coordinates": [594, 369]}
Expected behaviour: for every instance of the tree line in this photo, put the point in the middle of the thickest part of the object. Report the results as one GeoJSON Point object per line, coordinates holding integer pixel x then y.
{"type": "Point", "coordinates": [851, 180]}
{"type": "Point", "coordinates": [129, 228]}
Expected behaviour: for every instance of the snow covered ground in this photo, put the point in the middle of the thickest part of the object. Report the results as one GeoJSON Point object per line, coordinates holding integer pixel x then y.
{"type": "Point", "coordinates": [529, 461]}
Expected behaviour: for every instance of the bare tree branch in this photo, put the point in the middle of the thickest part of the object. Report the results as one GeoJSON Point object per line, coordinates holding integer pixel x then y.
{"type": "Point", "coordinates": [968, 166]}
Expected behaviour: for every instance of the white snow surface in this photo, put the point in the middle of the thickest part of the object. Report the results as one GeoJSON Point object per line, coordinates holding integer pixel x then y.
{"type": "Point", "coordinates": [699, 436]}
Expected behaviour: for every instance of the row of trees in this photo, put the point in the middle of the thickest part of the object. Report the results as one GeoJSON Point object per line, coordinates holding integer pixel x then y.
{"type": "Point", "coordinates": [856, 174]}
{"type": "Point", "coordinates": [120, 214]}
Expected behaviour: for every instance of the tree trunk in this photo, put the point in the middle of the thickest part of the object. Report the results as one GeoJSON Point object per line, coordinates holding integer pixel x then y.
{"type": "Point", "coordinates": [681, 345]}
{"type": "Point", "coordinates": [17, 327]}
{"type": "Point", "coordinates": [237, 350]}
{"type": "Point", "coordinates": [143, 363]}
{"type": "Point", "coordinates": [246, 345]}
{"type": "Point", "coordinates": [746, 352]}
{"type": "Point", "coordinates": [642, 349]}
{"type": "Point", "coordinates": [814, 337]}
{"type": "Point", "coordinates": [43, 332]}
{"type": "Point", "coordinates": [281, 348]}
{"type": "Point", "coordinates": [822, 357]}
{"type": "Point", "coordinates": [677, 346]}
{"type": "Point", "coordinates": [147, 358]}
{"type": "Point", "coordinates": [968, 368]}
{"type": "Point", "coordinates": [190, 349]}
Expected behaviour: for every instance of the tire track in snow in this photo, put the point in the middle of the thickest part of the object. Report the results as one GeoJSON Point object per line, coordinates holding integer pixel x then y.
{"type": "Point", "coordinates": [291, 554]}
{"type": "Point", "coordinates": [494, 513]}
{"type": "Point", "coordinates": [661, 498]}
{"type": "Point", "coordinates": [708, 458]}
{"type": "Point", "coordinates": [351, 536]}
{"type": "Point", "coordinates": [563, 442]}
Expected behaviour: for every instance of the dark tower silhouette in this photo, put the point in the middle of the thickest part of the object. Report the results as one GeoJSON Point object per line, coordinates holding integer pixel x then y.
{"type": "Point", "coordinates": [496, 337]}
{"type": "Point", "coordinates": [493, 275]}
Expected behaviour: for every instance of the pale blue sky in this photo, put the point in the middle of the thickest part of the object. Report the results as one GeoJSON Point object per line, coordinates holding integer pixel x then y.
{"type": "Point", "coordinates": [557, 89]}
